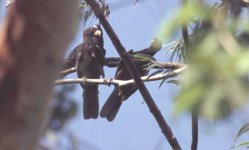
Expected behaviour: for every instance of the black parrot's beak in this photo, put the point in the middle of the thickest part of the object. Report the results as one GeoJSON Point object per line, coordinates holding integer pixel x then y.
{"type": "Point", "coordinates": [97, 33]}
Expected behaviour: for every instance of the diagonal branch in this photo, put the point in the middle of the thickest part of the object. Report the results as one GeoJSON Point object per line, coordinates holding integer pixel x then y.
{"type": "Point", "coordinates": [129, 64]}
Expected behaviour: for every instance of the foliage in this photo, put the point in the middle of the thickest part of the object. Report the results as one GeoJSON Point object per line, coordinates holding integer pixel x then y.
{"type": "Point", "coordinates": [243, 130]}
{"type": "Point", "coordinates": [63, 109]}
{"type": "Point", "coordinates": [216, 79]}
{"type": "Point", "coordinates": [87, 13]}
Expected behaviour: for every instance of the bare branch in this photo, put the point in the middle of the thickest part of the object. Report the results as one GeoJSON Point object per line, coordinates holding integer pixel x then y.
{"type": "Point", "coordinates": [112, 61]}
{"type": "Point", "coordinates": [121, 82]}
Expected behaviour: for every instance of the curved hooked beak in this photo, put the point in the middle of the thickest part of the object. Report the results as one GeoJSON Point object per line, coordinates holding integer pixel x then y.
{"type": "Point", "coordinates": [97, 33]}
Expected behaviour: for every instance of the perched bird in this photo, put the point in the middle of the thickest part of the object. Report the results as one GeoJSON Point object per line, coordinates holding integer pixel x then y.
{"type": "Point", "coordinates": [119, 94]}
{"type": "Point", "coordinates": [89, 58]}
{"type": "Point", "coordinates": [70, 61]}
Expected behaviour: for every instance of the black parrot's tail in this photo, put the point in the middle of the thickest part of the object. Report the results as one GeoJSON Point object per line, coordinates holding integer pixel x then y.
{"type": "Point", "coordinates": [90, 102]}
{"type": "Point", "coordinates": [112, 105]}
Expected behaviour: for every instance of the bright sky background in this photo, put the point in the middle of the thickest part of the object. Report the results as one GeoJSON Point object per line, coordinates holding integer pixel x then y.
{"type": "Point", "coordinates": [135, 128]}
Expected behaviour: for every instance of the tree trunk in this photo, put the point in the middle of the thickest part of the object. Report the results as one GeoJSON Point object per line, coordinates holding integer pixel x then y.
{"type": "Point", "coordinates": [33, 37]}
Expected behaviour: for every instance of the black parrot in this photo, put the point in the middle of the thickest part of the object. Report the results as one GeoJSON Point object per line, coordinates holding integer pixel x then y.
{"type": "Point", "coordinates": [119, 94]}
{"type": "Point", "coordinates": [89, 58]}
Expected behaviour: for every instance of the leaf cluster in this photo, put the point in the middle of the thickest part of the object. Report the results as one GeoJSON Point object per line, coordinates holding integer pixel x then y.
{"type": "Point", "coordinates": [87, 13]}
{"type": "Point", "coordinates": [216, 80]}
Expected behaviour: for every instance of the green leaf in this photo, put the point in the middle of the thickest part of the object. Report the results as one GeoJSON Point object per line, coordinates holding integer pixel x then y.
{"type": "Point", "coordinates": [143, 57]}
{"type": "Point", "coordinates": [152, 66]}
{"type": "Point", "coordinates": [243, 144]}
{"type": "Point", "coordinates": [188, 12]}
{"type": "Point", "coordinates": [242, 130]}
{"type": "Point", "coordinates": [176, 82]}
{"type": "Point", "coordinates": [160, 85]}
{"type": "Point", "coordinates": [156, 72]}
{"type": "Point", "coordinates": [188, 98]}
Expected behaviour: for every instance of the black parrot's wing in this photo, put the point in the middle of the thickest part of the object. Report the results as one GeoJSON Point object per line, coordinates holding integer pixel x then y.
{"type": "Point", "coordinates": [119, 94]}
{"type": "Point", "coordinates": [141, 59]}
{"type": "Point", "coordinates": [70, 61]}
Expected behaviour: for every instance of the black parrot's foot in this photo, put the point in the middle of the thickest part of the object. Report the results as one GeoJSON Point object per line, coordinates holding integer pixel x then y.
{"type": "Point", "coordinates": [108, 81]}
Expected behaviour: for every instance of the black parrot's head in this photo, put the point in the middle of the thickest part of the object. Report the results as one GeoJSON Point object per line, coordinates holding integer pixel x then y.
{"type": "Point", "coordinates": [94, 31]}
{"type": "Point", "coordinates": [94, 35]}
{"type": "Point", "coordinates": [94, 43]}
{"type": "Point", "coordinates": [156, 44]}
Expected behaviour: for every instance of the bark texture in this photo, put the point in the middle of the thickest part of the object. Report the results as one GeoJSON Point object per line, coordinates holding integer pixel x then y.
{"type": "Point", "coordinates": [33, 37]}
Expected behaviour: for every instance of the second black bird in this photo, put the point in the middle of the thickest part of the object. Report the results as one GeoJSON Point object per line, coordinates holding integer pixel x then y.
{"type": "Point", "coordinates": [119, 94]}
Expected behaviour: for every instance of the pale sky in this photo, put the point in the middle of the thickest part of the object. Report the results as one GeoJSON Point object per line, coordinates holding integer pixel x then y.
{"type": "Point", "coordinates": [135, 128]}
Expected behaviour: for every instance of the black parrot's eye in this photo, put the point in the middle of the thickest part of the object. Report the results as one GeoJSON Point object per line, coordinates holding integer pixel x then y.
{"type": "Point", "coordinates": [92, 33]}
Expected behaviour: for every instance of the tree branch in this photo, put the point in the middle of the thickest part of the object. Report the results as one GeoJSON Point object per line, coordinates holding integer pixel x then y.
{"type": "Point", "coordinates": [112, 61]}
{"type": "Point", "coordinates": [130, 66]}
{"type": "Point", "coordinates": [163, 65]}
{"type": "Point", "coordinates": [121, 82]}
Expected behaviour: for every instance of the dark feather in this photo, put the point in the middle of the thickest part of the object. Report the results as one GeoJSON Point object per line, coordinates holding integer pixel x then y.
{"type": "Point", "coordinates": [89, 58]}
{"type": "Point", "coordinates": [120, 94]}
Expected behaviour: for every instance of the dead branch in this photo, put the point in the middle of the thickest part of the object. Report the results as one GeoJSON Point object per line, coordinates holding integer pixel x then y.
{"type": "Point", "coordinates": [121, 82]}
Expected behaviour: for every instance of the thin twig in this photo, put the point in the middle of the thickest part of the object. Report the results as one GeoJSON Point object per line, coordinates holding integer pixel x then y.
{"type": "Point", "coordinates": [167, 65]}
{"type": "Point", "coordinates": [109, 62]}
{"type": "Point", "coordinates": [113, 62]}
{"type": "Point", "coordinates": [194, 131]}
{"type": "Point", "coordinates": [130, 66]}
{"type": "Point", "coordinates": [121, 82]}
{"type": "Point", "coordinates": [186, 56]}
{"type": "Point", "coordinates": [68, 71]}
